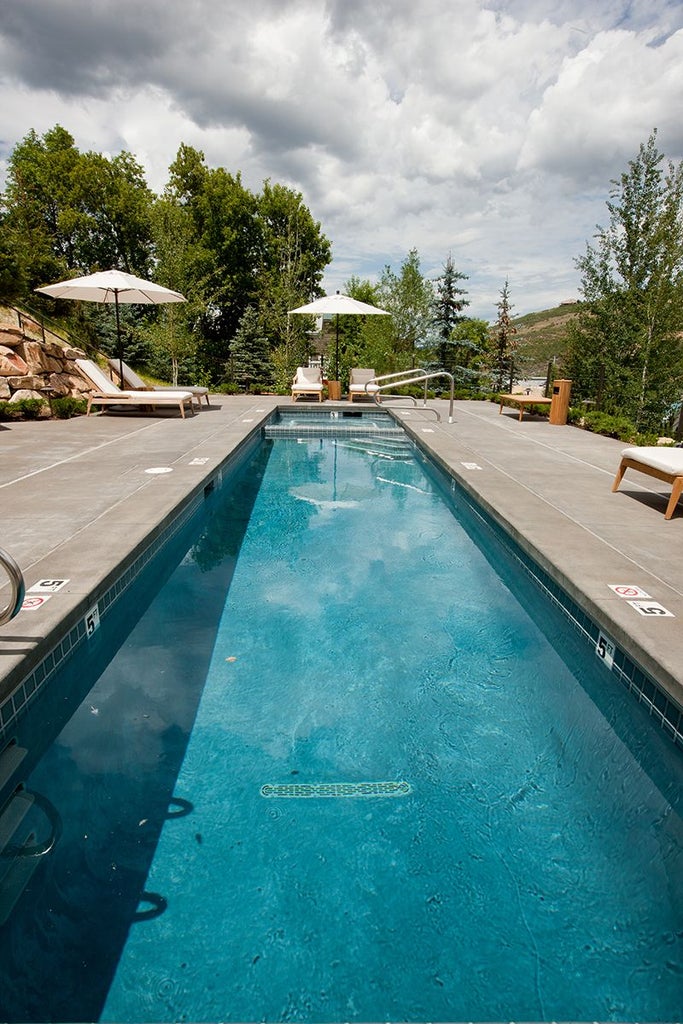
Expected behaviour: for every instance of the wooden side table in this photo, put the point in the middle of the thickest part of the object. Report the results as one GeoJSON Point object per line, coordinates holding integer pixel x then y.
{"type": "Point", "coordinates": [333, 390]}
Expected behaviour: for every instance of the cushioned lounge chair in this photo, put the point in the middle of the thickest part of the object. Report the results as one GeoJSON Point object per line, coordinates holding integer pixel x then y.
{"type": "Point", "coordinates": [105, 392]}
{"type": "Point", "coordinates": [360, 376]}
{"type": "Point", "coordinates": [662, 463]}
{"type": "Point", "coordinates": [134, 383]}
{"type": "Point", "coordinates": [308, 380]}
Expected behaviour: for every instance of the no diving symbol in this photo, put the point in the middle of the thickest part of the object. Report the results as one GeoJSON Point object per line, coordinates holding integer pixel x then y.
{"type": "Point", "coordinates": [628, 590]}
{"type": "Point", "coordinates": [32, 604]}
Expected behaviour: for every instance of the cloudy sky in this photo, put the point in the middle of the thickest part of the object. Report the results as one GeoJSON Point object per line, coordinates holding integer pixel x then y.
{"type": "Point", "coordinates": [489, 129]}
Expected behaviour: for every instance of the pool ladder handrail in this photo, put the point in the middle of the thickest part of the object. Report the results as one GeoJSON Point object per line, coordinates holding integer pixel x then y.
{"type": "Point", "coordinates": [18, 588]}
{"type": "Point", "coordinates": [414, 376]}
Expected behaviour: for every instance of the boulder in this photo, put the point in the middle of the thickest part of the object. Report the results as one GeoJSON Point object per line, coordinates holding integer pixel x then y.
{"type": "Point", "coordinates": [64, 384]}
{"type": "Point", "coordinates": [11, 335]}
{"type": "Point", "coordinates": [32, 382]}
{"type": "Point", "coordinates": [5, 392]}
{"type": "Point", "coordinates": [19, 396]}
{"type": "Point", "coordinates": [38, 359]}
{"type": "Point", "coordinates": [11, 362]}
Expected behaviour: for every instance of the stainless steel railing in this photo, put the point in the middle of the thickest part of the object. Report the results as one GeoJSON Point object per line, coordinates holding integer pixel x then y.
{"type": "Point", "coordinates": [17, 584]}
{"type": "Point", "coordinates": [403, 377]}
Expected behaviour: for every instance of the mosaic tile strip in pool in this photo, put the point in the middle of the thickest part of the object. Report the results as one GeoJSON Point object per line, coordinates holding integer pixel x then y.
{"type": "Point", "coordinates": [335, 790]}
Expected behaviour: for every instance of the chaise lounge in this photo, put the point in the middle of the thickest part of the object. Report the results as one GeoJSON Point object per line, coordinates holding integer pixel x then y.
{"type": "Point", "coordinates": [308, 380]}
{"type": "Point", "coordinates": [105, 392]}
{"type": "Point", "coordinates": [662, 463]}
{"type": "Point", "coordinates": [131, 381]}
{"type": "Point", "coordinates": [359, 377]}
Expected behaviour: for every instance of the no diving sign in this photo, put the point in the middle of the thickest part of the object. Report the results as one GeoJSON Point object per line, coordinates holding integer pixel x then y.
{"type": "Point", "coordinates": [640, 600]}
{"type": "Point", "coordinates": [629, 591]}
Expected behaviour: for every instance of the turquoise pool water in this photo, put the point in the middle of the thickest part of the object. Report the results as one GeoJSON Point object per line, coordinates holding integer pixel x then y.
{"type": "Point", "coordinates": [349, 765]}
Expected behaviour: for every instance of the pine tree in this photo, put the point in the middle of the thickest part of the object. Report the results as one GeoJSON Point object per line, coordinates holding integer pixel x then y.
{"type": "Point", "coordinates": [448, 306]}
{"type": "Point", "coordinates": [250, 364]}
{"type": "Point", "coordinates": [503, 343]}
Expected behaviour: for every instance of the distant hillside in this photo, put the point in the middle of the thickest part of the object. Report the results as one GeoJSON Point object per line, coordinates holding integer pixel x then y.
{"type": "Point", "coordinates": [542, 336]}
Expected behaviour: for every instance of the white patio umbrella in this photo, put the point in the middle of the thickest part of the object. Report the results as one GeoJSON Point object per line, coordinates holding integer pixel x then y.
{"type": "Point", "coordinates": [112, 286]}
{"type": "Point", "coordinates": [339, 305]}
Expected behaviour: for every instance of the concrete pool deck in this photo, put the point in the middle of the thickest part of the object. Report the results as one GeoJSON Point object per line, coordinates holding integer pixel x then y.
{"type": "Point", "coordinates": [79, 501]}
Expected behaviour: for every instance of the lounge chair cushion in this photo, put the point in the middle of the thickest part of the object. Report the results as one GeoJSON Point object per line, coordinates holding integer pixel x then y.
{"type": "Point", "coordinates": [105, 391]}
{"type": "Point", "coordinates": [667, 460]}
{"type": "Point", "coordinates": [131, 381]}
{"type": "Point", "coordinates": [309, 375]}
{"type": "Point", "coordinates": [662, 463]}
{"type": "Point", "coordinates": [359, 377]}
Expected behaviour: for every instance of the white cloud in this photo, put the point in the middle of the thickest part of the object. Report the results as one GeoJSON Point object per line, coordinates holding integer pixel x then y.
{"type": "Point", "coordinates": [488, 130]}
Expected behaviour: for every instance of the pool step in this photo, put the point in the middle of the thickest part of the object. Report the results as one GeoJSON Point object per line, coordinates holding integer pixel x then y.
{"type": "Point", "coordinates": [10, 759]}
{"type": "Point", "coordinates": [332, 428]}
{"type": "Point", "coordinates": [381, 447]}
{"type": "Point", "coordinates": [15, 869]}
{"type": "Point", "coordinates": [11, 817]}
{"type": "Point", "coordinates": [19, 854]}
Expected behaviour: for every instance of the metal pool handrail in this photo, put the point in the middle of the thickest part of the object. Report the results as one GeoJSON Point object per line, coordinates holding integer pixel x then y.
{"type": "Point", "coordinates": [18, 589]}
{"type": "Point", "coordinates": [411, 377]}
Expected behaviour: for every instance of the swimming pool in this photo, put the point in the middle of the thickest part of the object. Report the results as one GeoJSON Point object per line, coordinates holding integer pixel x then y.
{"type": "Point", "coordinates": [376, 777]}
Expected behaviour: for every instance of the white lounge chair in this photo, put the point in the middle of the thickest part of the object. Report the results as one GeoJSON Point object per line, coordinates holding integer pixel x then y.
{"type": "Point", "coordinates": [308, 380]}
{"type": "Point", "coordinates": [359, 377]}
{"type": "Point", "coordinates": [662, 463]}
{"type": "Point", "coordinates": [135, 383]}
{"type": "Point", "coordinates": [105, 392]}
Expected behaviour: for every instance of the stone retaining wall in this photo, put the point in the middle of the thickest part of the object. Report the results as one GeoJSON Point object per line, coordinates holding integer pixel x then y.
{"type": "Point", "coordinates": [37, 369]}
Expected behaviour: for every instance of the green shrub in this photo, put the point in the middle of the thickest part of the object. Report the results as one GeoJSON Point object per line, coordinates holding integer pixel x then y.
{"type": "Point", "coordinates": [227, 389]}
{"type": "Point", "coordinates": [24, 409]}
{"type": "Point", "coordinates": [8, 411]}
{"type": "Point", "coordinates": [65, 408]}
{"type": "Point", "coordinates": [611, 426]}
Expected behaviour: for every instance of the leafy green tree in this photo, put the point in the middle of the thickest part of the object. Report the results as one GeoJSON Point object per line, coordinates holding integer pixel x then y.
{"type": "Point", "coordinates": [293, 256]}
{"type": "Point", "coordinates": [502, 343]}
{"type": "Point", "coordinates": [264, 251]}
{"type": "Point", "coordinates": [448, 311]}
{"type": "Point", "coordinates": [66, 211]}
{"type": "Point", "coordinates": [115, 223]}
{"type": "Point", "coordinates": [250, 364]}
{"type": "Point", "coordinates": [409, 298]}
{"type": "Point", "coordinates": [626, 348]}
{"type": "Point", "coordinates": [363, 340]}
{"type": "Point", "coordinates": [12, 284]}
{"type": "Point", "coordinates": [41, 219]}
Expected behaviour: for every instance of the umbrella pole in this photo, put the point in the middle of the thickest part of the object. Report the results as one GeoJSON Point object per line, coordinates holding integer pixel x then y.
{"type": "Point", "coordinates": [118, 337]}
{"type": "Point", "coordinates": [336, 352]}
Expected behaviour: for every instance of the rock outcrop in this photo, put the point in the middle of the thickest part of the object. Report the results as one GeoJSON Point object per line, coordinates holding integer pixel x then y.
{"type": "Point", "coordinates": [31, 368]}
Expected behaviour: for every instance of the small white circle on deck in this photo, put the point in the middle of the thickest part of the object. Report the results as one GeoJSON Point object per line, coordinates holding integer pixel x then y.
{"type": "Point", "coordinates": [159, 470]}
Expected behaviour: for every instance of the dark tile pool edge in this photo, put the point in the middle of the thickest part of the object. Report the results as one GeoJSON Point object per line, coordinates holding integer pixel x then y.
{"type": "Point", "coordinates": [79, 622]}
{"type": "Point", "coordinates": [590, 621]}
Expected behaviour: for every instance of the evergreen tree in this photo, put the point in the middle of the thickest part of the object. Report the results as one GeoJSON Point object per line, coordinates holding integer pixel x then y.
{"type": "Point", "coordinates": [448, 306]}
{"type": "Point", "coordinates": [626, 348]}
{"type": "Point", "coordinates": [468, 345]}
{"type": "Point", "coordinates": [250, 365]}
{"type": "Point", "coordinates": [503, 343]}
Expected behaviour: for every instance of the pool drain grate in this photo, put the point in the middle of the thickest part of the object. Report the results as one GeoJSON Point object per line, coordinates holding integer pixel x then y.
{"type": "Point", "coordinates": [299, 790]}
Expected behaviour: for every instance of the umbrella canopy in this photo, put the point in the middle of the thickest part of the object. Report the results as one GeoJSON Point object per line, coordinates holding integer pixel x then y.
{"type": "Point", "coordinates": [112, 286]}
{"type": "Point", "coordinates": [339, 305]}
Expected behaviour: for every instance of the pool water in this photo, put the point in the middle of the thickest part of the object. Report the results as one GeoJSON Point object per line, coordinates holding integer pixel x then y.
{"type": "Point", "coordinates": [350, 765]}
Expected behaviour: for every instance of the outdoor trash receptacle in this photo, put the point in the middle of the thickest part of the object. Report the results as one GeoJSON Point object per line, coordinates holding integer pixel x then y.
{"type": "Point", "coordinates": [559, 407]}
